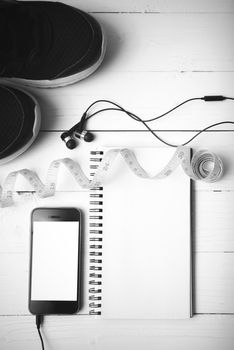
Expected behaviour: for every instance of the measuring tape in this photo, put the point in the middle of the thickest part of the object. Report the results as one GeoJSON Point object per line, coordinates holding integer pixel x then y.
{"type": "Point", "coordinates": [196, 168]}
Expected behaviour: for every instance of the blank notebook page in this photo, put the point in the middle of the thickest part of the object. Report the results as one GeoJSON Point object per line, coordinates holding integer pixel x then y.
{"type": "Point", "coordinates": [146, 241]}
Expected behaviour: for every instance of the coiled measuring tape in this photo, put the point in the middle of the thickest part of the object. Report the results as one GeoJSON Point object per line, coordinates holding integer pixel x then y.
{"type": "Point", "coordinates": [196, 168]}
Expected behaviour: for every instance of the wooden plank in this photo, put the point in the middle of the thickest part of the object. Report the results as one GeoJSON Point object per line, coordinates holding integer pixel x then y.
{"type": "Point", "coordinates": [71, 332]}
{"type": "Point", "coordinates": [213, 221]}
{"type": "Point", "coordinates": [214, 282]}
{"type": "Point", "coordinates": [169, 6]}
{"type": "Point", "coordinates": [159, 42]}
{"type": "Point", "coordinates": [146, 94]}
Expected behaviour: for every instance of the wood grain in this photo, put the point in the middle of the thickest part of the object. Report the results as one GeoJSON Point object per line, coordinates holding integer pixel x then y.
{"type": "Point", "coordinates": [141, 42]}
{"type": "Point", "coordinates": [159, 53]}
{"type": "Point", "coordinates": [146, 94]}
{"type": "Point", "coordinates": [169, 6]}
{"type": "Point", "coordinates": [159, 42]}
{"type": "Point", "coordinates": [74, 332]}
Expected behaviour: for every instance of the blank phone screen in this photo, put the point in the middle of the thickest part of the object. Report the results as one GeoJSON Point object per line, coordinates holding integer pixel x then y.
{"type": "Point", "coordinates": [54, 270]}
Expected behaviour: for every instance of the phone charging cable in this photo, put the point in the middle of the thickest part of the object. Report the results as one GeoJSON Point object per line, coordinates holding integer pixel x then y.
{"type": "Point", "coordinates": [39, 319]}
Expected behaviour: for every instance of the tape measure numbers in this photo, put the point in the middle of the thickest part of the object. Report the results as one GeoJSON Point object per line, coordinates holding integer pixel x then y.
{"type": "Point", "coordinates": [197, 168]}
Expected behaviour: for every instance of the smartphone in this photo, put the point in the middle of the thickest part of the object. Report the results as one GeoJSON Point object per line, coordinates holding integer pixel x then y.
{"type": "Point", "coordinates": [54, 281]}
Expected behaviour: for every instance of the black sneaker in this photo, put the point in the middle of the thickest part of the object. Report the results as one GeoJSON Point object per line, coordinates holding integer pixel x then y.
{"type": "Point", "coordinates": [20, 122]}
{"type": "Point", "coordinates": [48, 44]}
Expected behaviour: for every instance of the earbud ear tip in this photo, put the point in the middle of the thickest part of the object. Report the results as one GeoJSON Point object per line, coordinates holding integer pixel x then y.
{"type": "Point", "coordinates": [88, 137]}
{"type": "Point", "coordinates": [71, 144]}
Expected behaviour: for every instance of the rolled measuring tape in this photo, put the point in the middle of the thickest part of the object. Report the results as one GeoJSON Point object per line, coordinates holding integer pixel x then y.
{"type": "Point", "coordinates": [197, 168]}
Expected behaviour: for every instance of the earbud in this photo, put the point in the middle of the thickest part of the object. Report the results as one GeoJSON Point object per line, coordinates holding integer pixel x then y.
{"type": "Point", "coordinates": [86, 135]}
{"type": "Point", "coordinates": [70, 142]}
{"type": "Point", "coordinates": [69, 137]}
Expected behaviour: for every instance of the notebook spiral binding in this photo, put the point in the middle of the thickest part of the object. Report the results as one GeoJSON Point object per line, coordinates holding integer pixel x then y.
{"type": "Point", "coordinates": [95, 239]}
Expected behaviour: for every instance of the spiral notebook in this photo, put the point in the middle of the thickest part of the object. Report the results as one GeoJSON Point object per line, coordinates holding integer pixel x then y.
{"type": "Point", "coordinates": [140, 241]}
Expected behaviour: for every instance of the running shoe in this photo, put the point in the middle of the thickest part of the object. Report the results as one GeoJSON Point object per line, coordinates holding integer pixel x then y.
{"type": "Point", "coordinates": [48, 44]}
{"type": "Point", "coordinates": [20, 122]}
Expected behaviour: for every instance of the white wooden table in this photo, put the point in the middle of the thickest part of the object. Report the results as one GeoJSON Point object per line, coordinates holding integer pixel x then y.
{"type": "Point", "coordinates": [159, 54]}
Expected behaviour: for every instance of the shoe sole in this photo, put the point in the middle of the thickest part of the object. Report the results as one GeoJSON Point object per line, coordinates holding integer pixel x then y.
{"type": "Point", "coordinates": [36, 129]}
{"type": "Point", "coordinates": [71, 79]}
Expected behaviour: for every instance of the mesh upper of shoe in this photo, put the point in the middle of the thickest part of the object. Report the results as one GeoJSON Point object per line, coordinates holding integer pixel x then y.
{"type": "Point", "coordinates": [17, 116]}
{"type": "Point", "coordinates": [62, 41]}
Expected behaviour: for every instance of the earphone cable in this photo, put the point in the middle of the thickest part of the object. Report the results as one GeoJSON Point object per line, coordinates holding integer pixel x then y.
{"type": "Point", "coordinates": [207, 128]}
{"type": "Point", "coordinates": [147, 120]}
{"type": "Point", "coordinates": [135, 118]}
{"type": "Point", "coordinates": [144, 122]}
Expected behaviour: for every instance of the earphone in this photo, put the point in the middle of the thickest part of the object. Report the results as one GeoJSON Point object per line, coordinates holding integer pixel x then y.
{"type": "Point", "coordinates": [78, 130]}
